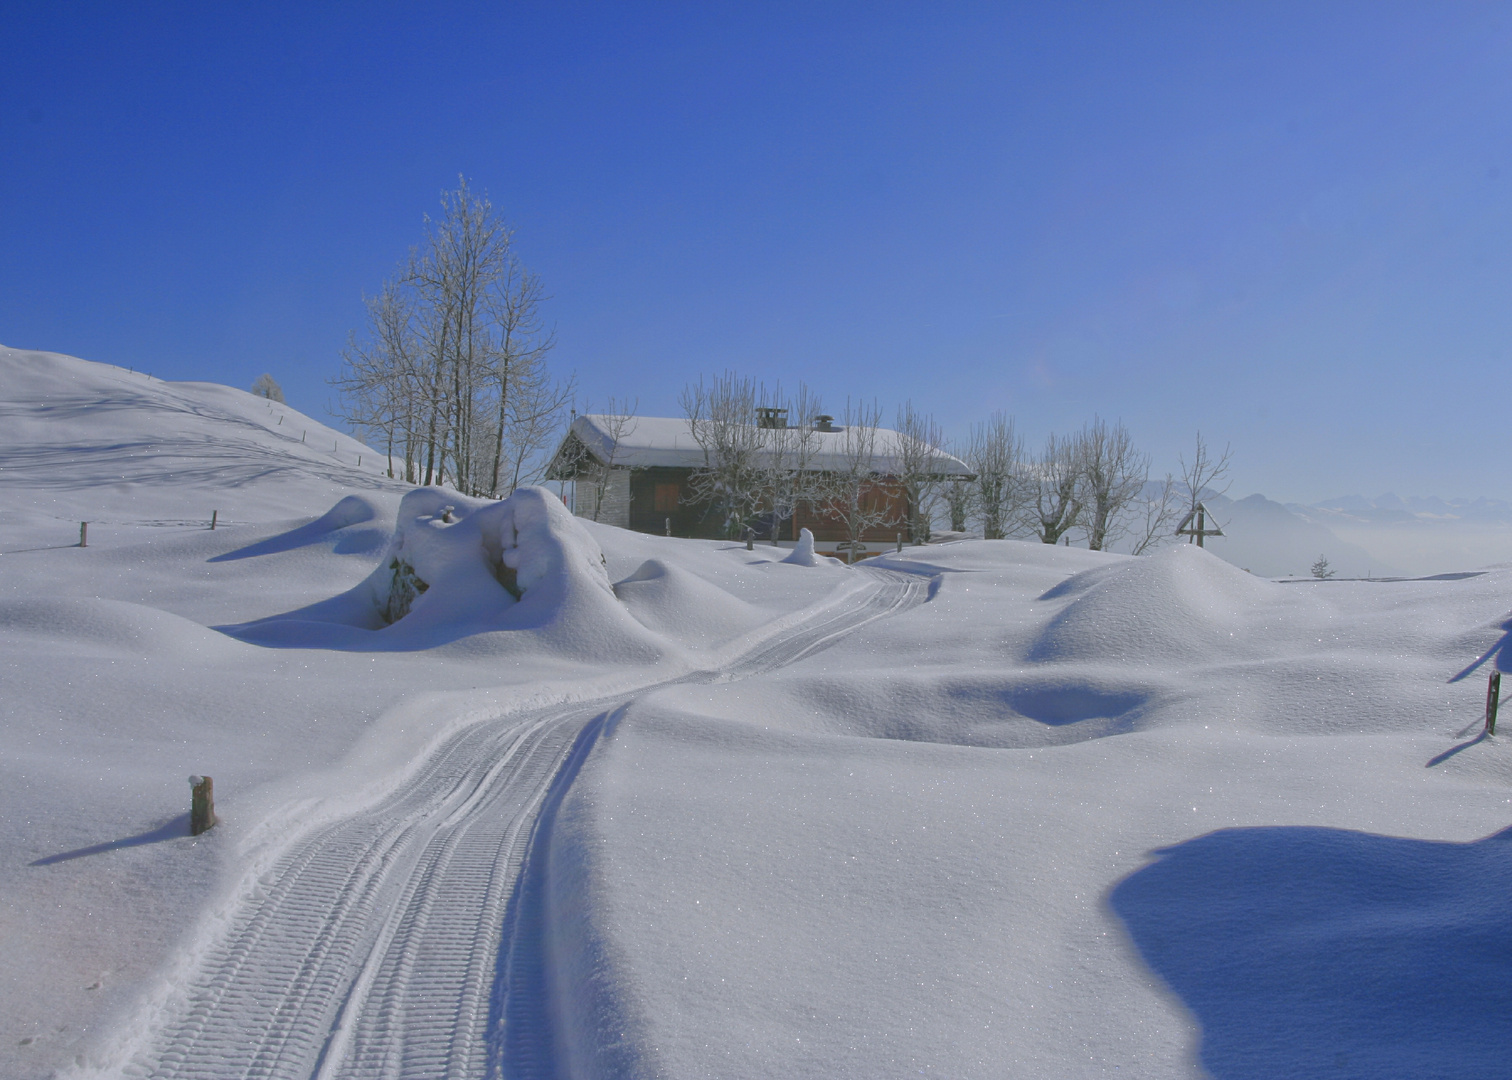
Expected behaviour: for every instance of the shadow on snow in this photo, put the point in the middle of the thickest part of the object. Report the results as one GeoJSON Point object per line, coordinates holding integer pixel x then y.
{"type": "Point", "coordinates": [1314, 951]}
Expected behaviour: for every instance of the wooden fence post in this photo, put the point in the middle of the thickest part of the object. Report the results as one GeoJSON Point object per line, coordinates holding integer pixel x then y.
{"type": "Point", "coordinates": [1493, 699]}
{"type": "Point", "coordinates": [83, 534]}
{"type": "Point", "coordinates": [213, 515]}
{"type": "Point", "coordinates": [201, 804]}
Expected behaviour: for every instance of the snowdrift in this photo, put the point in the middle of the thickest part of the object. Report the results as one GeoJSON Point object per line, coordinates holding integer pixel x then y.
{"type": "Point", "coordinates": [1177, 605]}
{"type": "Point", "coordinates": [457, 568]}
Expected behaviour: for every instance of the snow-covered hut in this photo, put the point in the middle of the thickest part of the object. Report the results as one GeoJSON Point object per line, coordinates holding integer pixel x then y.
{"type": "Point", "coordinates": [634, 472]}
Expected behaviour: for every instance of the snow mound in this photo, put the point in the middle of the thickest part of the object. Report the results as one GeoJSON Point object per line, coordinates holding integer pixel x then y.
{"type": "Point", "coordinates": [672, 601]}
{"type": "Point", "coordinates": [1181, 603]}
{"type": "Point", "coordinates": [109, 627]}
{"type": "Point", "coordinates": [458, 567]}
{"type": "Point", "coordinates": [803, 553]}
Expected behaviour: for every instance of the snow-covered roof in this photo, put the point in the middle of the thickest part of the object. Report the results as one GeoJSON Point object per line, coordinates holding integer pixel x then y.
{"type": "Point", "coordinates": [667, 442]}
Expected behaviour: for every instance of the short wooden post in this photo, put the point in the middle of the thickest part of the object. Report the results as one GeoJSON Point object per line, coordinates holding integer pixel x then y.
{"type": "Point", "coordinates": [213, 515]}
{"type": "Point", "coordinates": [900, 543]}
{"type": "Point", "coordinates": [359, 461]}
{"type": "Point", "coordinates": [750, 538]}
{"type": "Point", "coordinates": [302, 435]}
{"type": "Point", "coordinates": [1493, 699]}
{"type": "Point", "coordinates": [669, 526]}
{"type": "Point", "coordinates": [201, 804]}
{"type": "Point", "coordinates": [83, 534]}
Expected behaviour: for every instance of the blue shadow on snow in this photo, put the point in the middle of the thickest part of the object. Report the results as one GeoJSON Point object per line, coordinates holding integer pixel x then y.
{"type": "Point", "coordinates": [350, 511]}
{"type": "Point", "coordinates": [171, 829]}
{"type": "Point", "coordinates": [1322, 952]}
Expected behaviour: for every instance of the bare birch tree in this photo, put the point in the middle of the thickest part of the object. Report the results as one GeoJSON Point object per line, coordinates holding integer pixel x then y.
{"type": "Point", "coordinates": [378, 379]}
{"type": "Point", "coordinates": [453, 368]}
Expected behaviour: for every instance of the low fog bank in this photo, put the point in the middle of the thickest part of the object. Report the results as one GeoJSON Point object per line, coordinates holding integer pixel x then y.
{"type": "Point", "coordinates": [1361, 538]}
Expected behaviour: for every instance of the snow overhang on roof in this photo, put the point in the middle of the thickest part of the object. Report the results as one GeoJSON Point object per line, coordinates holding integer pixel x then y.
{"type": "Point", "coordinates": [647, 442]}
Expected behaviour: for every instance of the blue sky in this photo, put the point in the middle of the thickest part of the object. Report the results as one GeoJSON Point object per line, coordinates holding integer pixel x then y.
{"type": "Point", "coordinates": [1288, 225]}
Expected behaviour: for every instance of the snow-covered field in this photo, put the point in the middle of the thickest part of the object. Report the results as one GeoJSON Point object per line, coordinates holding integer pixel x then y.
{"type": "Point", "coordinates": [982, 809]}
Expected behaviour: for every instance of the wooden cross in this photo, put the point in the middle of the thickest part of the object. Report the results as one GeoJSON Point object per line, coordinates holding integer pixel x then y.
{"type": "Point", "coordinates": [1195, 524]}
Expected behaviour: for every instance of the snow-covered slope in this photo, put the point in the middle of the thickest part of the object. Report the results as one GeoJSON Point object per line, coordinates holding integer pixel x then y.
{"type": "Point", "coordinates": [86, 441]}
{"type": "Point", "coordinates": [1061, 813]}
{"type": "Point", "coordinates": [1077, 816]}
{"type": "Point", "coordinates": [116, 687]}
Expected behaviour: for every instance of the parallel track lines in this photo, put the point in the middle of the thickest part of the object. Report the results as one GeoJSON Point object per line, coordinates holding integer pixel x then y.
{"type": "Point", "coordinates": [377, 948]}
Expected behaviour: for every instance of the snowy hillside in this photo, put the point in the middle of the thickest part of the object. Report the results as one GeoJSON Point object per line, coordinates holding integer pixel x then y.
{"type": "Point", "coordinates": [506, 793]}
{"type": "Point", "coordinates": [87, 441]}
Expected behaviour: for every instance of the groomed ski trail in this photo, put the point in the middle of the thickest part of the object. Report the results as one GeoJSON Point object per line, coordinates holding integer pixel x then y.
{"type": "Point", "coordinates": [372, 948]}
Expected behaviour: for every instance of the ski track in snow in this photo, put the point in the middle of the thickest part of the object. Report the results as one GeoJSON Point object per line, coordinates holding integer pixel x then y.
{"type": "Point", "coordinates": [399, 941]}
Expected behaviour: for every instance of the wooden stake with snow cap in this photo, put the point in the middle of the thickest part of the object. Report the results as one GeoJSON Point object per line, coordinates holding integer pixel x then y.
{"type": "Point", "coordinates": [201, 804]}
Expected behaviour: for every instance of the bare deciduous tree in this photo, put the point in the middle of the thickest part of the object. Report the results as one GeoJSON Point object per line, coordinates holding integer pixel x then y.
{"type": "Point", "coordinates": [1157, 509]}
{"type": "Point", "coordinates": [852, 489]}
{"type": "Point", "coordinates": [957, 495]}
{"type": "Point", "coordinates": [266, 386]}
{"type": "Point", "coordinates": [1113, 475]}
{"type": "Point", "coordinates": [722, 420]}
{"type": "Point", "coordinates": [380, 378]}
{"type": "Point", "coordinates": [995, 454]}
{"type": "Point", "coordinates": [919, 440]}
{"type": "Point", "coordinates": [1052, 506]}
{"type": "Point", "coordinates": [452, 371]}
{"type": "Point", "coordinates": [1204, 472]}
{"type": "Point", "coordinates": [787, 460]}
{"type": "Point", "coordinates": [594, 476]}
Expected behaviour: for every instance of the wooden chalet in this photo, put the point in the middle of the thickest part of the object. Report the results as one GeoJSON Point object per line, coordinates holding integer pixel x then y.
{"type": "Point", "coordinates": [646, 471]}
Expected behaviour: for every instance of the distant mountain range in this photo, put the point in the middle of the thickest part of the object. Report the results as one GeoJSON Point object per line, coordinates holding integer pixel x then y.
{"type": "Point", "coordinates": [1390, 509]}
{"type": "Point", "coordinates": [1360, 537]}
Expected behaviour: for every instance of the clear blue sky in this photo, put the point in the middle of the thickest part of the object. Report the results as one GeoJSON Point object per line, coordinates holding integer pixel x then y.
{"type": "Point", "coordinates": [1286, 224]}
